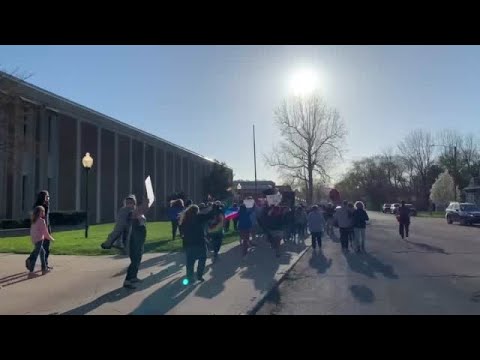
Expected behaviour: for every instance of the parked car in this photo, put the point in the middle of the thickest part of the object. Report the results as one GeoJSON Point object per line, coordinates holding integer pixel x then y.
{"type": "Point", "coordinates": [413, 211]}
{"type": "Point", "coordinates": [386, 208]}
{"type": "Point", "coordinates": [463, 213]}
{"type": "Point", "coordinates": [394, 208]}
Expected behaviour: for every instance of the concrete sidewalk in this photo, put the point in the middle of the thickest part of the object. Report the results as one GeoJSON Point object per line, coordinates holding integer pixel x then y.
{"type": "Point", "coordinates": [93, 284]}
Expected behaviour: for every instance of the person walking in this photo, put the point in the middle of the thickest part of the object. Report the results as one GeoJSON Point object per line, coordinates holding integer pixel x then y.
{"type": "Point", "coordinates": [403, 217]}
{"type": "Point", "coordinates": [137, 239]}
{"type": "Point", "coordinates": [273, 222]}
{"type": "Point", "coordinates": [342, 218]}
{"type": "Point", "coordinates": [193, 224]}
{"type": "Point", "coordinates": [121, 229]}
{"type": "Point", "coordinates": [39, 235]}
{"type": "Point", "coordinates": [245, 227]}
{"type": "Point", "coordinates": [328, 214]}
{"type": "Point", "coordinates": [351, 234]}
{"type": "Point", "coordinates": [360, 218]}
{"type": "Point", "coordinates": [216, 229]}
{"type": "Point", "coordinates": [43, 199]}
{"type": "Point", "coordinates": [176, 207]}
{"type": "Point", "coordinates": [316, 225]}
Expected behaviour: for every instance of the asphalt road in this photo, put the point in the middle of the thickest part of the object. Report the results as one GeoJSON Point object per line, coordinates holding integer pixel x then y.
{"type": "Point", "coordinates": [436, 271]}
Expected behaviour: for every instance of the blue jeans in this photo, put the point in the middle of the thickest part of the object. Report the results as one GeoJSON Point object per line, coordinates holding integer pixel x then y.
{"type": "Point", "coordinates": [37, 250]}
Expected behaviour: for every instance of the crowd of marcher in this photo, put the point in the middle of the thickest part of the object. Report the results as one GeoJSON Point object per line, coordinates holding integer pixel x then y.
{"type": "Point", "coordinates": [202, 228]}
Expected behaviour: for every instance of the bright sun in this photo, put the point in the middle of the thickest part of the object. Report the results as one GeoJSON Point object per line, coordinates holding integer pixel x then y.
{"type": "Point", "coordinates": [303, 82]}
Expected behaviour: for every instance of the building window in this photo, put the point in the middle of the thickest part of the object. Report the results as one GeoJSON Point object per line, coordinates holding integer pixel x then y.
{"type": "Point", "coordinates": [37, 128]}
{"type": "Point", "coordinates": [49, 139]}
{"type": "Point", "coordinates": [24, 183]}
{"type": "Point", "coordinates": [37, 174]}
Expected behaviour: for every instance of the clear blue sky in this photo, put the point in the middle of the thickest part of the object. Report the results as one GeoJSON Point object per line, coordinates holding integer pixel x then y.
{"type": "Point", "coordinates": [206, 98]}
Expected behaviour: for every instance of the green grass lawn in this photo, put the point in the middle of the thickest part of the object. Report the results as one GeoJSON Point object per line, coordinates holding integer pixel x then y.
{"type": "Point", "coordinates": [435, 214]}
{"type": "Point", "coordinates": [73, 242]}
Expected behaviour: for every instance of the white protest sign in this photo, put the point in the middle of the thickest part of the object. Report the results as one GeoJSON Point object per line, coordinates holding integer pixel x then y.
{"type": "Point", "coordinates": [274, 199]}
{"type": "Point", "coordinates": [249, 203]}
{"type": "Point", "coordinates": [150, 194]}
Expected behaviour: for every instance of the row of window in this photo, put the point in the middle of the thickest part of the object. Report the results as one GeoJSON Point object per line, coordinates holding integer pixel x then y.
{"type": "Point", "coordinates": [37, 128]}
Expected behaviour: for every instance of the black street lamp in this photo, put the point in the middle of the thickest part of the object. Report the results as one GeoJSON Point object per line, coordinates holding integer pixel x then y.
{"type": "Point", "coordinates": [87, 163]}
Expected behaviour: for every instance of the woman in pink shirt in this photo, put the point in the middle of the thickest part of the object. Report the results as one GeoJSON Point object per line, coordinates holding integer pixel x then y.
{"type": "Point", "coordinates": [39, 233]}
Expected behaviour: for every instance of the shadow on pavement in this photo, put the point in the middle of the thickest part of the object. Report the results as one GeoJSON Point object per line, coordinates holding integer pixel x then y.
{"type": "Point", "coordinates": [427, 247]}
{"type": "Point", "coordinates": [17, 278]}
{"type": "Point", "coordinates": [320, 262]}
{"type": "Point", "coordinates": [225, 267]}
{"type": "Point", "coordinates": [160, 260]}
{"type": "Point", "coordinates": [164, 299]}
{"type": "Point", "coordinates": [263, 265]}
{"type": "Point", "coordinates": [362, 293]}
{"type": "Point", "coordinates": [121, 293]}
{"type": "Point", "coordinates": [368, 265]}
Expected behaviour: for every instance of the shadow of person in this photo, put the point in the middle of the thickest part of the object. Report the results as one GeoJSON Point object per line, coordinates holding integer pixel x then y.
{"type": "Point", "coordinates": [362, 293]}
{"type": "Point", "coordinates": [427, 247]}
{"type": "Point", "coordinates": [225, 268]}
{"type": "Point", "coordinates": [121, 293]}
{"type": "Point", "coordinates": [377, 266]}
{"type": "Point", "coordinates": [356, 263]}
{"type": "Point", "coordinates": [320, 262]}
{"type": "Point", "coordinates": [164, 299]}
{"type": "Point", "coordinates": [263, 265]}
{"type": "Point", "coordinates": [161, 260]}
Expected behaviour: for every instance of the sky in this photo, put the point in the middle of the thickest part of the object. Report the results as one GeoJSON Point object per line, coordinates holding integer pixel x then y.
{"type": "Point", "coordinates": [207, 98]}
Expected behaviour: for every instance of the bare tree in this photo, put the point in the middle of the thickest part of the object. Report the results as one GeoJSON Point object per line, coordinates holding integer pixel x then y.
{"type": "Point", "coordinates": [417, 149]}
{"type": "Point", "coordinates": [313, 137]}
{"type": "Point", "coordinates": [470, 154]}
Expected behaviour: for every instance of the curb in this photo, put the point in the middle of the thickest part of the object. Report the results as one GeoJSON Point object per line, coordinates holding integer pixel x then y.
{"type": "Point", "coordinates": [263, 298]}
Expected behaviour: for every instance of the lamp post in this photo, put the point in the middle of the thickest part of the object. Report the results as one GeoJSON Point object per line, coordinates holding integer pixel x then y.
{"type": "Point", "coordinates": [454, 169]}
{"type": "Point", "coordinates": [87, 163]}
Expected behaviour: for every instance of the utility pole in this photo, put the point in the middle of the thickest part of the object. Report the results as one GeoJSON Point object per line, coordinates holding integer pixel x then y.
{"type": "Point", "coordinates": [255, 162]}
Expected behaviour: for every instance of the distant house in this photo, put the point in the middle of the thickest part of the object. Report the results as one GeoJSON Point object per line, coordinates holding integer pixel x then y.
{"type": "Point", "coordinates": [472, 191]}
{"type": "Point", "coordinates": [247, 188]}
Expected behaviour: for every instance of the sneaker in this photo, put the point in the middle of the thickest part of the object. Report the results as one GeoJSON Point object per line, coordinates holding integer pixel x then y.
{"type": "Point", "coordinates": [49, 267]}
{"type": "Point", "coordinates": [136, 280]}
{"type": "Point", "coordinates": [105, 247]}
{"type": "Point", "coordinates": [45, 271]}
{"type": "Point", "coordinates": [32, 275]}
{"type": "Point", "coordinates": [201, 279]}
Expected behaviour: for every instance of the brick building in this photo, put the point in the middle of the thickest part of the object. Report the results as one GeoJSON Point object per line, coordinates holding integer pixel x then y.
{"type": "Point", "coordinates": [45, 138]}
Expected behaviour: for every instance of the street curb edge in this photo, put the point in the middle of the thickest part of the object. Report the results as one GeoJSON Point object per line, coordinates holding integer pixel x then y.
{"type": "Point", "coordinates": [277, 283]}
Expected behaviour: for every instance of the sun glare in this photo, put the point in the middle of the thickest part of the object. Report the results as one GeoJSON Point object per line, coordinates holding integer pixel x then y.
{"type": "Point", "coordinates": [303, 82]}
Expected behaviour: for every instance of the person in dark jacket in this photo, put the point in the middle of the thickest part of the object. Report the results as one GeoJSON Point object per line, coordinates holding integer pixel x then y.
{"type": "Point", "coordinates": [360, 218]}
{"type": "Point", "coordinates": [403, 218]}
{"type": "Point", "coordinates": [193, 223]}
{"type": "Point", "coordinates": [316, 224]}
{"type": "Point", "coordinates": [43, 199]}
{"type": "Point", "coordinates": [136, 243]}
{"type": "Point", "coordinates": [273, 221]}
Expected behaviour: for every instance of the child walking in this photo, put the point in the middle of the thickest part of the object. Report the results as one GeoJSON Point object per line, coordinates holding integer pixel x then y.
{"type": "Point", "coordinates": [39, 234]}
